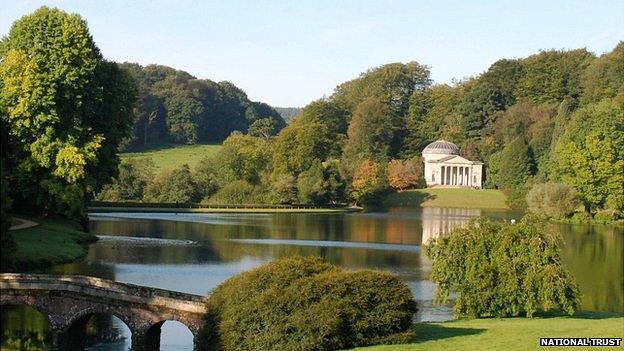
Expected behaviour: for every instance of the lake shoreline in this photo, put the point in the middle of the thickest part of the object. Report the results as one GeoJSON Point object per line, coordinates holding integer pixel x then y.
{"type": "Point", "coordinates": [53, 241]}
{"type": "Point", "coordinates": [233, 209]}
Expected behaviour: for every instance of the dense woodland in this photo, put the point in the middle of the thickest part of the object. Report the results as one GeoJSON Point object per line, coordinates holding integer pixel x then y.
{"type": "Point", "coordinates": [176, 107]}
{"type": "Point", "coordinates": [550, 125]}
{"type": "Point", "coordinates": [553, 120]}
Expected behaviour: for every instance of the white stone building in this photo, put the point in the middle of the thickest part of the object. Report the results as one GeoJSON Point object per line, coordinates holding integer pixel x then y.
{"type": "Point", "coordinates": [444, 167]}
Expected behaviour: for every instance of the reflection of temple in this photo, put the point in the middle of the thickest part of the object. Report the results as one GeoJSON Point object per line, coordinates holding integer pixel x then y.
{"type": "Point", "coordinates": [440, 220]}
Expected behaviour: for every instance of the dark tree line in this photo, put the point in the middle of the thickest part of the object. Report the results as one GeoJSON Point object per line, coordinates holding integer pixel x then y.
{"type": "Point", "coordinates": [176, 107]}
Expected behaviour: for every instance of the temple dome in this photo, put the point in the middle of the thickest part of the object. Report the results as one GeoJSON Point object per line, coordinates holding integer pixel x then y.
{"type": "Point", "coordinates": [441, 147]}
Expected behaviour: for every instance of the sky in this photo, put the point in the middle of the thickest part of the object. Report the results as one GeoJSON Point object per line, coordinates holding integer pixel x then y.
{"type": "Point", "coordinates": [289, 53]}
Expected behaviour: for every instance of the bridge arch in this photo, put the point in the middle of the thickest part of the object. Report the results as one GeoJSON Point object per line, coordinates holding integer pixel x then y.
{"type": "Point", "coordinates": [76, 334]}
{"type": "Point", "coordinates": [176, 332]}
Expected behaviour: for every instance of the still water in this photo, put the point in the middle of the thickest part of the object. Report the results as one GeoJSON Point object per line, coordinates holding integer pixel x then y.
{"type": "Point", "coordinates": [195, 252]}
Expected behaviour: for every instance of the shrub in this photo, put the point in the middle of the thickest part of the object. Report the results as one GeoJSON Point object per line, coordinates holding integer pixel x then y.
{"type": "Point", "coordinates": [606, 216]}
{"type": "Point", "coordinates": [552, 200]}
{"type": "Point", "coordinates": [175, 186]}
{"type": "Point", "coordinates": [282, 189]}
{"type": "Point", "coordinates": [369, 183]}
{"type": "Point", "coordinates": [306, 304]}
{"type": "Point", "coordinates": [237, 192]}
{"type": "Point", "coordinates": [501, 270]}
{"type": "Point", "coordinates": [581, 217]}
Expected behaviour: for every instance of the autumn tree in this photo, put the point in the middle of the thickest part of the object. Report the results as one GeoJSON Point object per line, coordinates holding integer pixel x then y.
{"type": "Point", "coordinates": [369, 183]}
{"type": "Point", "coordinates": [405, 174]}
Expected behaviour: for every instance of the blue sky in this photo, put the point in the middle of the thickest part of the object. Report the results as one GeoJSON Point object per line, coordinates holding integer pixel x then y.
{"type": "Point", "coordinates": [288, 53]}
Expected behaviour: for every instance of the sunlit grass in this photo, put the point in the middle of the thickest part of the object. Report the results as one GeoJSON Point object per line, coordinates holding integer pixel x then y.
{"type": "Point", "coordinates": [506, 334]}
{"type": "Point", "coordinates": [448, 197]}
{"type": "Point", "coordinates": [170, 157]}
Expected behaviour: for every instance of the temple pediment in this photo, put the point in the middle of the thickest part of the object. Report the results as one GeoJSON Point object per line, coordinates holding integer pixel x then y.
{"type": "Point", "coordinates": [454, 159]}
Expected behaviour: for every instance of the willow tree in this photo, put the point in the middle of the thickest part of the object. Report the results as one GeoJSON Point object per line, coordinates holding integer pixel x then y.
{"type": "Point", "coordinates": [66, 109]}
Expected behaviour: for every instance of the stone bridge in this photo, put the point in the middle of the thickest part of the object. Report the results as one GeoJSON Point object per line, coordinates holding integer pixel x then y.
{"type": "Point", "coordinates": [69, 301]}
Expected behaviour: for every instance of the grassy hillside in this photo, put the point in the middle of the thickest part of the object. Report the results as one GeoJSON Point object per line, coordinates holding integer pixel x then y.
{"type": "Point", "coordinates": [506, 334]}
{"type": "Point", "coordinates": [446, 197]}
{"type": "Point", "coordinates": [172, 156]}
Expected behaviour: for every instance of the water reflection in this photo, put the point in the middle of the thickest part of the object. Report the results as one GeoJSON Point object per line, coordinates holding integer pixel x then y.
{"type": "Point", "coordinates": [195, 252]}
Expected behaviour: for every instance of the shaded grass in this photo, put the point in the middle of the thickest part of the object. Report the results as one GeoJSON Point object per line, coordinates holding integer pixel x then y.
{"type": "Point", "coordinates": [507, 334]}
{"type": "Point", "coordinates": [448, 197]}
{"type": "Point", "coordinates": [175, 155]}
{"type": "Point", "coordinates": [52, 242]}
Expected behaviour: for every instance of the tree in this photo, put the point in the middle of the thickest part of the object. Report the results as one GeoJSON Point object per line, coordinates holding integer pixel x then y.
{"type": "Point", "coordinates": [552, 200]}
{"type": "Point", "coordinates": [604, 77]}
{"type": "Point", "coordinates": [262, 128]}
{"type": "Point", "coordinates": [392, 84]}
{"type": "Point", "coordinates": [589, 155]}
{"type": "Point", "coordinates": [405, 174]}
{"type": "Point", "coordinates": [301, 144]}
{"type": "Point", "coordinates": [369, 183]}
{"type": "Point", "coordinates": [486, 96]}
{"type": "Point", "coordinates": [429, 117]}
{"type": "Point", "coordinates": [553, 75]}
{"type": "Point", "coordinates": [177, 186]}
{"type": "Point", "coordinates": [67, 110]}
{"type": "Point", "coordinates": [242, 157]}
{"type": "Point", "coordinates": [131, 182]}
{"type": "Point", "coordinates": [370, 133]}
{"type": "Point", "coordinates": [510, 167]}
{"type": "Point", "coordinates": [283, 189]}
{"type": "Point", "coordinates": [502, 270]}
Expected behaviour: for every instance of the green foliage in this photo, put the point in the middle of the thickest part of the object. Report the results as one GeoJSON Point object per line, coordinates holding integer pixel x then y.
{"type": "Point", "coordinates": [283, 189]}
{"type": "Point", "coordinates": [306, 304]}
{"type": "Point", "coordinates": [502, 270]}
{"type": "Point", "coordinates": [510, 167]}
{"type": "Point", "coordinates": [370, 133]}
{"type": "Point", "coordinates": [321, 184]}
{"type": "Point", "coordinates": [552, 200]}
{"type": "Point", "coordinates": [131, 182]}
{"type": "Point", "coordinates": [178, 107]}
{"type": "Point", "coordinates": [553, 75]}
{"type": "Point", "coordinates": [604, 77]}
{"type": "Point", "coordinates": [241, 157]}
{"type": "Point", "coordinates": [67, 110]}
{"type": "Point", "coordinates": [589, 155]}
{"type": "Point", "coordinates": [238, 192]}
{"type": "Point", "coordinates": [487, 95]}
{"type": "Point", "coordinates": [7, 254]}
{"type": "Point", "coordinates": [429, 117]}
{"type": "Point", "coordinates": [176, 186]}
{"type": "Point", "coordinates": [262, 128]}
{"type": "Point", "coordinates": [300, 145]}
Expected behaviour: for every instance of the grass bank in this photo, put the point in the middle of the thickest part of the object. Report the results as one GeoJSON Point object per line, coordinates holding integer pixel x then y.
{"type": "Point", "coordinates": [53, 241]}
{"type": "Point", "coordinates": [170, 156]}
{"type": "Point", "coordinates": [448, 197]}
{"type": "Point", "coordinates": [507, 334]}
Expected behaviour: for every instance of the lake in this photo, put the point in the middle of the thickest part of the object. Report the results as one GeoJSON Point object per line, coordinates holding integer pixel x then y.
{"type": "Point", "coordinates": [195, 252]}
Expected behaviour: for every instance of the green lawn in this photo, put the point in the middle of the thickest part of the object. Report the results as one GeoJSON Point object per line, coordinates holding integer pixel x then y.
{"type": "Point", "coordinates": [54, 241]}
{"type": "Point", "coordinates": [446, 197]}
{"type": "Point", "coordinates": [169, 157]}
{"type": "Point", "coordinates": [508, 334]}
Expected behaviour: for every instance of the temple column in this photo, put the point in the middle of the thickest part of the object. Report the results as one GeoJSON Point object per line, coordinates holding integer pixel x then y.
{"type": "Point", "coordinates": [441, 175]}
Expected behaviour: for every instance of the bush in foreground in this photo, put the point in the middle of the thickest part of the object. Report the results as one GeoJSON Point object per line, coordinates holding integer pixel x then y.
{"type": "Point", "coordinates": [307, 304]}
{"type": "Point", "coordinates": [501, 270]}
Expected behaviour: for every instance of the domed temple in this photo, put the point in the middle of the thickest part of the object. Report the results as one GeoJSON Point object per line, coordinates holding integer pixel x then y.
{"type": "Point", "coordinates": [444, 166]}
